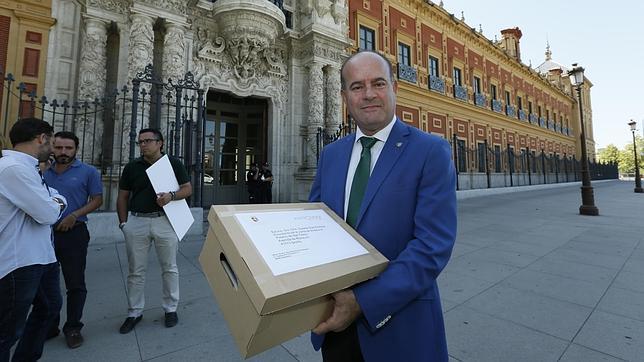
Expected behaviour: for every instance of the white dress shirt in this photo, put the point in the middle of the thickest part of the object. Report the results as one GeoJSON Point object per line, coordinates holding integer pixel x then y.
{"type": "Point", "coordinates": [27, 211]}
{"type": "Point", "coordinates": [381, 136]}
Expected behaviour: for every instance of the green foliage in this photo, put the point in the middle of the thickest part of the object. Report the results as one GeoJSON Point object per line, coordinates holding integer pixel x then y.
{"type": "Point", "coordinates": [608, 154]}
{"type": "Point", "coordinates": [627, 158]}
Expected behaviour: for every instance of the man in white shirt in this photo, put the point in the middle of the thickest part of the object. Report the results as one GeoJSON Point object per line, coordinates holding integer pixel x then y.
{"type": "Point", "coordinates": [29, 272]}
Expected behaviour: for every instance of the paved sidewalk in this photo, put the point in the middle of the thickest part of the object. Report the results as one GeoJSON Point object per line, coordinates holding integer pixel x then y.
{"type": "Point", "coordinates": [529, 280]}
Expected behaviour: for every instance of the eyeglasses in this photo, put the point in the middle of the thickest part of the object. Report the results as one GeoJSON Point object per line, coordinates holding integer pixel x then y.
{"type": "Point", "coordinates": [145, 141]}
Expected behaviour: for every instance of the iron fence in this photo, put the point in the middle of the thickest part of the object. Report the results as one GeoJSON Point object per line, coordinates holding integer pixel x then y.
{"type": "Point", "coordinates": [107, 127]}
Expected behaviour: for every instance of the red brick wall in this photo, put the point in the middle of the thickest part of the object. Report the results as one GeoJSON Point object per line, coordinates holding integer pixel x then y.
{"type": "Point", "coordinates": [437, 123]}
{"type": "Point", "coordinates": [414, 113]}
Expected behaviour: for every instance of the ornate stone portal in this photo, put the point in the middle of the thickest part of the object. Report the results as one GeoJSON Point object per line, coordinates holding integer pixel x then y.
{"type": "Point", "coordinates": [243, 47]}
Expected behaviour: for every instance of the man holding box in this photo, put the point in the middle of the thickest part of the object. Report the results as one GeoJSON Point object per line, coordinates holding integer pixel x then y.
{"type": "Point", "coordinates": [147, 222]}
{"type": "Point", "coordinates": [395, 185]}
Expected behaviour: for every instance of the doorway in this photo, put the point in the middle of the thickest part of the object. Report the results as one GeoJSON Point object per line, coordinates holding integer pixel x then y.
{"type": "Point", "coordinates": [235, 137]}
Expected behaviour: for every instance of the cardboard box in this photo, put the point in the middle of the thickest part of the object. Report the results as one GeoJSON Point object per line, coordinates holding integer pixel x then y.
{"type": "Point", "coordinates": [262, 309]}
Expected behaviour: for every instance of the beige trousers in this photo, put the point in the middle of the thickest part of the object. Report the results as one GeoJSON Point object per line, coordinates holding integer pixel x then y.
{"type": "Point", "coordinates": [139, 233]}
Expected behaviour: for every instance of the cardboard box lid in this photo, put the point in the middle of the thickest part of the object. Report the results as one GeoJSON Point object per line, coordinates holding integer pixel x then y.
{"type": "Point", "coordinates": [270, 293]}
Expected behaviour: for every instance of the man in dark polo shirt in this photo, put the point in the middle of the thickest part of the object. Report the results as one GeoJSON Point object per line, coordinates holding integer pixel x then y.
{"type": "Point", "coordinates": [146, 222]}
{"type": "Point", "coordinates": [81, 186]}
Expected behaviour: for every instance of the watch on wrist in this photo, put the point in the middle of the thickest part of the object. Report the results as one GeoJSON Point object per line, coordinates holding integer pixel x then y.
{"type": "Point", "coordinates": [121, 225]}
{"type": "Point", "coordinates": [173, 195]}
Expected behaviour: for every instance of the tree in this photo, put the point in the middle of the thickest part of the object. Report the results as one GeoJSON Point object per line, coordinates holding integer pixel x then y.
{"type": "Point", "coordinates": [608, 154]}
{"type": "Point", "coordinates": [626, 157]}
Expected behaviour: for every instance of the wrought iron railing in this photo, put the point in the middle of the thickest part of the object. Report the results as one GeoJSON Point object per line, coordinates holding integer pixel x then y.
{"type": "Point", "coordinates": [496, 106]}
{"type": "Point", "coordinates": [523, 116]}
{"type": "Point", "coordinates": [407, 73]}
{"type": "Point", "coordinates": [480, 100]}
{"type": "Point", "coordinates": [436, 84]}
{"type": "Point", "coordinates": [460, 92]}
{"type": "Point", "coordinates": [510, 111]}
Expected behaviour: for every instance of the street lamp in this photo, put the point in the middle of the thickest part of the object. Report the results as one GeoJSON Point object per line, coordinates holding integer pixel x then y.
{"type": "Point", "coordinates": [587, 207]}
{"type": "Point", "coordinates": [638, 182]}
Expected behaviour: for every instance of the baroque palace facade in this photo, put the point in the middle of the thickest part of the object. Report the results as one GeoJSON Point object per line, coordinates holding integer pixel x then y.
{"type": "Point", "coordinates": [270, 73]}
{"type": "Point", "coordinates": [454, 82]}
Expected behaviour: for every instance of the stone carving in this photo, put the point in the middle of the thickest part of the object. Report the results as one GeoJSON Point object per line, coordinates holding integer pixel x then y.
{"type": "Point", "coordinates": [91, 85]}
{"type": "Point", "coordinates": [316, 113]}
{"type": "Point", "coordinates": [141, 43]}
{"type": "Point", "coordinates": [175, 6]}
{"type": "Point", "coordinates": [332, 96]}
{"type": "Point", "coordinates": [92, 63]}
{"type": "Point", "coordinates": [117, 6]}
{"type": "Point", "coordinates": [245, 53]}
{"type": "Point", "coordinates": [174, 52]}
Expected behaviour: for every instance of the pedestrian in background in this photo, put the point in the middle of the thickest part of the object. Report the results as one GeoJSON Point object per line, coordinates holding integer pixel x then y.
{"type": "Point", "coordinates": [81, 186]}
{"type": "Point", "coordinates": [266, 183]}
{"type": "Point", "coordinates": [253, 184]}
{"type": "Point", "coordinates": [29, 272]}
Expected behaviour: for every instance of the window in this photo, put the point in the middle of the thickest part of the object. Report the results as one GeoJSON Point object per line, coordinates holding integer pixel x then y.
{"type": "Point", "coordinates": [481, 156]}
{"type": "Point", "coordinates": [367, 38]}
{"type": "Point", "coordinates": [519, 102]}
{"type": "Point", "coordinates": [477, 85]}
{"type": "Point", "coordinates": [529, 107]}
{"type": "Point", "coordinates": [547, 114]}
{"type": "Point", "coordinates": [457, 77]}
{"type": "Point", "coordinates": [539, 111]}
{"type": "Point", "coordinates": [524, 159]}
{"type": "Point", "coordinates": [462, 155]}
{"type": "Point", "coordinates": [433, 67]}
{"type": "Point", "coordinates": [508, 99]}
{"type": "Point", "coordinates": [493, 91]}
{"type": "Point", "coordinates": [403, 54]}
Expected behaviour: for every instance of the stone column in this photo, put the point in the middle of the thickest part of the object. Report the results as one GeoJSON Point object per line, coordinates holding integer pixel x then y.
{"type": "Point", "coordinates": [333, 100]}
{"type": "Point", "coordinates": [174, 65]}
{"type": "Point", "coordinates": [141, 47]}
{"type": "Point", "coordinates": [316, 114]}
{"type": "Point", "coordinates": [91, 86]}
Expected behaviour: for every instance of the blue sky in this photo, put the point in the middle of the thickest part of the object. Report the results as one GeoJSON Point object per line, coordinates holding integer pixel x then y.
{"type": "Point", "coordinates": [604, 37]}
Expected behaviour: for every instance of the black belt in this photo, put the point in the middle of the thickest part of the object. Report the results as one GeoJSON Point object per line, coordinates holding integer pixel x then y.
{"type": "Point", "coordinates": [148, 214]}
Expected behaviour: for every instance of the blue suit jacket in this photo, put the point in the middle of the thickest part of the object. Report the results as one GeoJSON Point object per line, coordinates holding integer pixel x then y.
{"type": "Point", "coordinates": [409, 214]}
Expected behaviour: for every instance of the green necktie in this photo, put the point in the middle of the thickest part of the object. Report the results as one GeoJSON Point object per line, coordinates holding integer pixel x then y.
{"type": "Point", "coordinates": [360, 179]}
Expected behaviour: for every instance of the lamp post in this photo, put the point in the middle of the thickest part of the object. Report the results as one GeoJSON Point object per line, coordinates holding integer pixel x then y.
{"type": "Point", "coordinates": [587, 197]}
{"type": "Point", "coordinates": [638, 182]}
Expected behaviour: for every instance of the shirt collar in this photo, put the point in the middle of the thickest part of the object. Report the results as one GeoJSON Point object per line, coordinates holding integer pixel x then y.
{"type": "Point", "coordinates": [21, 157]}
{"type": "Point", "coordinates": [381, 135]}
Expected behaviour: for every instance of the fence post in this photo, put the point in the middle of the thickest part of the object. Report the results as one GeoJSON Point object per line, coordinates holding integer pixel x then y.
{"type": "Point", "coordinates": [135, 104]}
{"type": "Point", "coordinates": [487, 165]}
{"type": "Point", "coordinates": [543, 166]}
{"type": "Point", "coordinates": [200, 147]}
{"type": "Point", "coordinates": [527, 153]}
{"type": "Point", "coordinates": [510, 164]}
{"type": "Point", "coordinates": [9, 79]}
{"type": "Point", "coordinates": [454, 146]}
{"type": "Point", "coordinates": [556, 160]}
{"type": "Point", "coordinates": [177, 120]}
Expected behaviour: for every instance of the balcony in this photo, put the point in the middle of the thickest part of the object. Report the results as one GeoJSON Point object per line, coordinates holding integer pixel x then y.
{"type": "Point", "coordinates": [407, 73]}
{"type": "Point", "coordinates": [496, 105]}
{"type": "Point", "coordinates": [460, 92]}
{"type": "Point", "coordinates": [250, 19]}
{"type": "Point", "coordinates": [480, 100]}
{"type": "Point", "coordinates": [557, 128]}
{"type": "Point", "coordinates": [510, 111]}
{"type": "Point", "coordinates": [522, 115]}
{"type": "Point", "coordinates": [436, 84]}
{"type": "Point", "coordinates": [542, 122]}
{"type": "Point", "coordinates": [533, 118]}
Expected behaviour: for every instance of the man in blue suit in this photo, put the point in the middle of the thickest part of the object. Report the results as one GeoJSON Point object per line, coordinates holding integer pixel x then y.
{"type": "Point", "coordinates": [395, 185]}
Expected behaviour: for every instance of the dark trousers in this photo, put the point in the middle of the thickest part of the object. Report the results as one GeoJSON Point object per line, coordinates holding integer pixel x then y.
{"type": "Point", "coordinates": [37, 285]}
{"type": "Point", "coordinates": [342, 346]}
{"type": "Point", "coordinates": [71, 252]}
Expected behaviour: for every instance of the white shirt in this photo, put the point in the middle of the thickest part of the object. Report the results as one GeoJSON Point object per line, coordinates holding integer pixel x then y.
{"type": "Point", "coordinates": [381, 137]}
{"type": "Point", "coordinates": [27, 211]}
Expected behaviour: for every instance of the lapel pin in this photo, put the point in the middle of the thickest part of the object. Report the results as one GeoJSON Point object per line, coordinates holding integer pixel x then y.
{"type": "Point", "coordinates": [398, 144]}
